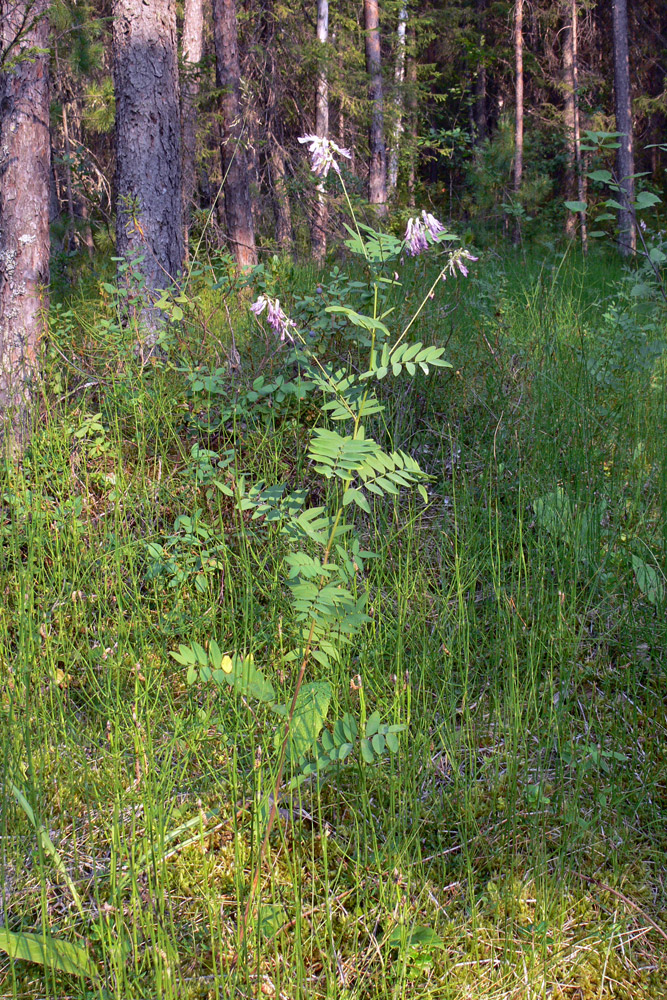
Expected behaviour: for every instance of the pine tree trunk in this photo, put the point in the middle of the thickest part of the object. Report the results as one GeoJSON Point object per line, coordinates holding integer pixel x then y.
{"type": "Point", "coordinates": [25, 169]}
{"type": "Point", "coordinates": [480, 109]}
{"type": "Point", "coordinates": [399, 77]}
{"type": "Point", "coordinates": [627, 236]}
{"type": "Point", "coordinates": [149, 212]}
{"type": "Point", "coordinates": [579, 167]}
{"type": "Point", "coordinates": [518, 128]}
{"type": "Point", "coordinates": [377, 179]}
{"type": "Point", "coordinates": [192, 47]}
{"type": "Point", "coordinates": [411, 108]}
{"type": "Point", "coordinates": [319, 227]}
{"type": "Point", "coordinates": [568, 121]}
{"type": "Point", "coordinates": [238, 209]}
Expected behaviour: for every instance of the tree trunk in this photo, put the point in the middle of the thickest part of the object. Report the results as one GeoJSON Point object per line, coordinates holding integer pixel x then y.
{"type": "Point", "coordinates": [149, 212]}
{"type": "Point", "coordinates": [518, 127]}
{"type": "Point", "coordinates": [399, 76]}
{"type": "Point", "coordinates": [579, 169]}
{"type": "Point", "coordinates": [568, 121]}
{"type": "Point", "coordinates": [480, 109]}
{"type": "Point", "coordinates": [238, 209]}
{"type": "Point", "coordinates": [377, 179]}
{"type": "Point", "coordinates": [25, 169]}
{"type": "Point", "coordinates": [627, 236]}
{"type": "Point", "coordinates": [319, 229]}
{"type": "Point", "coordinates": [192, 47]}
{"type": "Point", "coordinates": [411, 107]}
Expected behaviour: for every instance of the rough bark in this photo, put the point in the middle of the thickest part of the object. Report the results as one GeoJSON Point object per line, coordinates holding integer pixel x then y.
{"type": "Point", "coordinates": [411, 108]}
{"type": "Point", "coordinates": [399, 77]}
{"type": "Point", "coordinates": [192, 49]}
{"type": "Point", "coordinates": [625, 161]}
{"type": "Point", "coordinates": [518, 121]}
{"type": "Point", "coordinates": [579, 169]}
{"type": "Point", "coordinates": [238, 209]}
{"type": "Point", "coordinates": [568, 122]}
{"type": "Point", "coordinates": [377, 176]}
{"type": "Point", "coordinates": [149, 214]}
{"type": "Point", "coordinates": [319, 227]}
{"type": "Point", "coordinates": [480, 107]}
{"type": "Point", "coordinates": [25, 179]}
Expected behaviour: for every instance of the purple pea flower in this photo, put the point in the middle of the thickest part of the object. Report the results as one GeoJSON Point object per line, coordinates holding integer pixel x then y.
{"type": "Point", "coordinates": [322, 152]}
{"type": "Point", "coordinates": [279, 322]}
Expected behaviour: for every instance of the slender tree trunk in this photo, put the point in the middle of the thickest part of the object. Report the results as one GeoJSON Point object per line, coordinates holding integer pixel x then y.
{"type": "Point", "coordinates": [238, 209]}
{"type": "Point", "coordinates": [192, 47]}
{"type": "Point", "coordinates": [399, 77]}
{"type": "Point", "coordinates": [149, 212]}
{"type": "Point", "coordinates": [579, 167]}
{"type": "Point", "coordinates": [25, 169]}
{"type": "Point", "coordinates": [480, 109]}
{"type": "Point", "coordinates": [283, 210]}
{"type": "Point", "coordinates": [377, 179]}
{"type": "Point", "coordinates": [518, 127]}
{"type": "Point", "coordinates": [568, 120]}
{"type": "Point", "coordinates": [319, 228]}
{"type": "Point", "coordinates": [627, 236]}
{"type": "Point", "coordinates": [411, 108]}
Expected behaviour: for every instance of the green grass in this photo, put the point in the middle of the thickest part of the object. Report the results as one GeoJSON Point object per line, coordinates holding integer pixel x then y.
{"type": "Point", "coordinates": [515, 846]}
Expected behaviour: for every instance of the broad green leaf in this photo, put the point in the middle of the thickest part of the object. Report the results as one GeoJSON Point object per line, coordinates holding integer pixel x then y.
{"type": "Point", "coordinates": [373, 724]}
{"type": "Point", "coordinates": [649, 581]}
{"type": "Point", "coordinates": [63, 956]}
{"type": "Point", "coordinates": [367, 751]}
{"type": "Point", "coordinates": [576, 206]}
{"type": "Point", "coordinates": [656, 256]}
{"type": "Point", "coordinates": [646, 199]}
{"type": "Point", "coordinates": [392, 742]}
{"type": "Point", "coordinates": [270, 918]}
{"type": "Point", "coordinates": [414, 937]}
{"type": "Point", "coordinates": [602, 176]}
{"type": "Point", "coordinates": [378, 742]}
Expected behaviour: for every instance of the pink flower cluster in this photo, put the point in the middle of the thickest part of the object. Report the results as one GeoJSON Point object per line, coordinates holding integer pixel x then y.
{"type": "Point", "coordinates": [456, 261]}
{"type": "Point", "coordinates": [280, 323]}
{"type": "Point", "coordinates": [322, 154]}
{"type": "Point", "coordinates": [418, 231]}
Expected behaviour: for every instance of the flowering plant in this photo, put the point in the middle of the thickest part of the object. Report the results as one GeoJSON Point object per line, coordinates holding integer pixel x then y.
{"type": "Point", "coordinates": [322, 152]}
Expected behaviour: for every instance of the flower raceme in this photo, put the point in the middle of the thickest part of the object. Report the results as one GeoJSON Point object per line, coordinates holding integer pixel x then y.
{"type": "Point", "coordinates": [279, 322]}
{"type": "Point", "coordinates": [322, 154]}
{"type": "Point", "coordinates": [418, 231]}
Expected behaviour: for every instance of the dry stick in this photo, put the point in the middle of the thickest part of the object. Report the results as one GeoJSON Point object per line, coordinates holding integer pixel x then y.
{"type": "Point", "coordinates": [625, 899]}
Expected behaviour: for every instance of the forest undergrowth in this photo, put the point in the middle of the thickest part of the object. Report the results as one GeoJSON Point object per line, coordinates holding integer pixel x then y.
{"type": "Point", "coordinates": [508, 839]}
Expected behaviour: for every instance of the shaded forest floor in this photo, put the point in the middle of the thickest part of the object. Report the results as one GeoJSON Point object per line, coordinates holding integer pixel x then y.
{"type": "Point", "coordinates": [515, 845]}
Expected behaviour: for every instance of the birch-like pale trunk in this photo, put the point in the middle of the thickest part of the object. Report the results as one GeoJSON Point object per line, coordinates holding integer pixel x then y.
{"type": "Point", "coordinates": [399, 77]}
{"type": "Point", "coordinates": [319, 226]}
{"type": "Point", "coordinates": [25, 172]}
{"type": "Point", "coordinates": [377, 174]}
{"type": "Point", "coordinates": [625, 160]}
